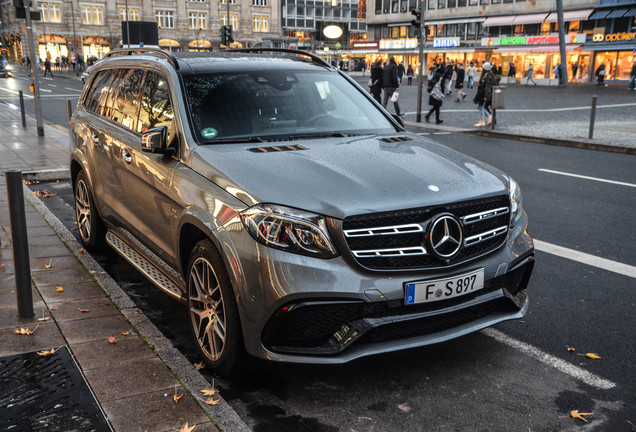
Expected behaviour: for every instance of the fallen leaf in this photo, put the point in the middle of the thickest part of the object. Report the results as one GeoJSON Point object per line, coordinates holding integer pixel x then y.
{"type": "Point", "coordinates": [53, 308]}
{"type": "Point", "coordinates": [48, 266]}
{"type": "Point", "coordinates": [46, 353]}
{"type": "Point", "coordinates": [199, 366]}
{"type": "Point", "coordinates": [522, 322]}
{"type": "Point", "coordinates": [209, 391]}
{"type": "Point", "coordinates": [126, 333]}
{"type": "Point", "coordinates": [84, 310]}
{"type": "Point", "coordinates": [44, 319]}
{"type": "Point", "coordinates": [404, 407]}
{"type": "Point", "coordinates": [577, 415]}
{"type": "Point", "coordinates": [3, 266]}
{"type": "Point", "coordinates": [569, 348]}
{"type": "Point", "coordinates": [48, 195]}
{"type": "Point", "coordinates": [6, 244]}
{"type": "Point", "coordinates": [593, 356]}
{"type": "Point", "coordinates": [176, 398]}
{"type": "Point", "coordinates": [112, 340]}
{"type": "Point", "coordinates": [82, 251]}
{"type": "Point", "coordinates": [59, 289]}
{"type": "Point", "coordinates": [24, 331]}
{"type": "Point", "coordinates": [213, 401]}
{"type": "Point", "coordinates": [186, 428]}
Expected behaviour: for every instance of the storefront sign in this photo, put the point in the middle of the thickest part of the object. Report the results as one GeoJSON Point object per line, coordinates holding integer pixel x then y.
{"type": "Point", "coordinates": [332, 31]}
{"type": "Point", "coordinates": [445, 42]}
{"type": "Point", "coordinates": [398, 44]}
{"type": "Point", "coordinates": [600, 36]}
{"type": "Point", "coordinates": [532, 40]}
{"type": "Point", "coordinates": [366, 45]}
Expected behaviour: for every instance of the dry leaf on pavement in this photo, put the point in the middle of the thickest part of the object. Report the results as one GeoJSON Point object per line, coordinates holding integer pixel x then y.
{"type": "Point", "coordinates": [59, 289]}
{"type": "Point", "coordinates": [82, 251]}
{"type": "Point", "coordinates": [44, 319]}
{"type": "Point", "coordinates": [126, 333]}
{"type": "Point", "coordinates": [186, 428]}
{"type": "Point", "coordinates": [46, 353]}
{"type": "Point", "coordinates": [176, 398]}
{"type": "Point", "coordinates": [24, 331]}
{"type": "Point", "coordinates": [213, 401]}
{"type": "Point", "coordinates": [199, 366]}
{"type": "Point", "coordinates": [84, 310]}
{"type": "Point", "coordinates": [593, 356]}
{"type": "Point", "coordinates": [112, 340]}
{"type": "Point", "coordinates": [209, 391]}
{"type": "Point", "coordinates": [569, 348]}
{"type": "Point", "coordinates": [577, 415]}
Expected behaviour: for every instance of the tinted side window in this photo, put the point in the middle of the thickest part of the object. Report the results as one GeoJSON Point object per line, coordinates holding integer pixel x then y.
{"type": "Point", "coordinates": [107, 107]}
{"type": "Point", "coordinates": [99, 91]}
{"type": "Point", "coordinates": [125, 100]}
{"type": "Point", "coordinates": [156, 109]}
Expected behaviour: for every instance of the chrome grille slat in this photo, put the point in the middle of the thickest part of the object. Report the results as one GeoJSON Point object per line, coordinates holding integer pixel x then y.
{"type": "Point", "coordinates": [389, 252]}
{"type": "Point", "coordinates": [473, 240]}
{"type": "Point", "coordinates": [488, 214]}
{"type": "Point", "coordinates": [386, 230]}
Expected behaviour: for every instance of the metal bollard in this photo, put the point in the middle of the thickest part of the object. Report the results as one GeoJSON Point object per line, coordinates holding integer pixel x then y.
{"type": "Point", "coordinates": [22, 109]}
{"type": "Point", "coordinates": [20, 243]}
{"type": "Point", "coordinates": [590, 135]}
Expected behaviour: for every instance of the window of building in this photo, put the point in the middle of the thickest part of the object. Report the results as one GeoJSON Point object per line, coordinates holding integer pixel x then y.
{"type": "Point", "coordinates": [133, 14]}
{"type": "Point", "coordinates": [452, 3]}
{"type": "Point", "coordinates": [395, 6]}
{"type": "Point", "coordinates": [451, 30]}
{"type": "Point", "coordinates": [233, 20]}
{"type": "Point", "coordinates": [92, 14]}
{"type": "Point", "coordinates": [50, 12]}
{"type": "Point", "coordinates": [544, 28]}
{"type": "Point", "coordinates": [259, 2]}
{"type": "Point", "coordinates": [198, 20]}
{"type": "Point", "coordinates": [165, 18]}
{"type": "Point", "coordinates": [574, 26]}
{"type": "Point", "coordinates": [508, 1]}
{"type": "Point", "coordinates": [484, 2]}
{"type": "Point", "coordinates": [472, 2]}
{"type": "Point", "coordinates": [225, 1]}
{"type": "Point", "coordinates": [395, 32]}
{"type": "Point", "coordinates": [197, 1]}
{"type": "Point", "coordinates": [441, 4]}
{"type": "Point", "coordinates": [260, 23]}
{"type": "Point", "coordinates": [471, 30]}
{"type": "Point", "coordinates": [519, 30]}
{"type": "Point", "coordinates": [495, 1]}
{"type": "Point", "coordinates": [432, 4]}
{"type": "Point", "coordinates": [461, 30]}
{"type": "Point", "coordinates": [461, 3]}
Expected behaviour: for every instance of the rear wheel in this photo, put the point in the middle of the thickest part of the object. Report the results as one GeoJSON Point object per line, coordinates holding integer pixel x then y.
{"type": "Point", "coordinates": [212, 310]}
{"type": "Point", "coordinates": [89, 224]}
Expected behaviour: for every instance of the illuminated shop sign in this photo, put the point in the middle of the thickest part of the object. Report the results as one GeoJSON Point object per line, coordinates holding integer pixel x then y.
{"type": "Point", "coordinates": [600, 36]}
{"type": "Point", "coordinates": [332, 31]}
{"type": "Point", "coordinates": [532, 40]}
{"type": "Point", "coordinates": [445, 42]}
{"type": "Point", "coordinates": [366, 45]}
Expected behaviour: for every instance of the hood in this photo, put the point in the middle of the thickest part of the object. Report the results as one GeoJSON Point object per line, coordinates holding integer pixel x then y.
{"type": "Point", "coordinates": [340, 177]}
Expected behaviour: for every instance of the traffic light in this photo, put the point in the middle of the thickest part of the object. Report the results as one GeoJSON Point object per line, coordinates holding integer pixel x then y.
{"type": "Point", "coordinates": [417, 22]}
{"type": "Point", "coordinates": [226, 35]}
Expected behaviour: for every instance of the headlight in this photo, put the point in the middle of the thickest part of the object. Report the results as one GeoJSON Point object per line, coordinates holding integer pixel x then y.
{"type": "Point", "coordinates": [289, 229]}
{"type": "Point", "coordinates": [516, 208]}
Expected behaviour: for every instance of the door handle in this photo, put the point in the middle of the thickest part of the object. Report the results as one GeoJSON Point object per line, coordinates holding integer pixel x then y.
{"type": "Point", "coordinates": [126, 157]}
{"type": "Point", "coordinates": [95, 138]}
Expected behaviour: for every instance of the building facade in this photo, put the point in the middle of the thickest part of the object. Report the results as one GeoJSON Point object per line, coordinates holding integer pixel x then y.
{"type": "Point", "coordinates": [94, 27]}
{"type": "Point", "coordinates": [510, 33]}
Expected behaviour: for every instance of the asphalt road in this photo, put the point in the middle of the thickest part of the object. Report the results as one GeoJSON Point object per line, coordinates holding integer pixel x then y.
{"type": "Point", "coordinates": [528, 380]}
{"type": "Point", "coordinates": [520, 377]}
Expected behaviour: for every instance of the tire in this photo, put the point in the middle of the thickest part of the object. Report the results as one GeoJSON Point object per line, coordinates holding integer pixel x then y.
{"type": "Point", "coordinates": [89, 224]}
{"type": "Point", "coordinates": [212, 311]}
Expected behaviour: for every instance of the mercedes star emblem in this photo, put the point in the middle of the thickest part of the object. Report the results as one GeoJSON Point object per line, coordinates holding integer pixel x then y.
{"type": "Point", "coordinates": [446, 236]}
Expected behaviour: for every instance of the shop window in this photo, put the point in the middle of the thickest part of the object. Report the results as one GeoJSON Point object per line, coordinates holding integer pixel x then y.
{"type": "Point", "coordinates": [403, 31]}
{"type": "Point", "coordinates": [518, 30]}
{"type": "Point", "coordinates": [395, 32]}
{"type": "Point", "coordinates": [505, 30]}
{"type": "Point", "coordinates": [574, 26]}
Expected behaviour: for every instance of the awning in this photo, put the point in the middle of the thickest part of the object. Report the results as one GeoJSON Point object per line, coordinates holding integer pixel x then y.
{"type": "Point", "coordinates": [570, 15]}
{"type": "Point", "coordinates": [499, 20]}
{"type": "Point", "coordinates": [630, 13]}
{"type": "Point", "coordinates": [600, 14]}
{"type": "Point", "coordinates": [617, 13]}
{"type": "Point", "coordinates": [539, 48]}
{"type": "Point", "coordinates": [454, 21]}
{"type": "Point", "coordinates": [530, 18]}
{"type": "Point", "coordinates": [609, 46]}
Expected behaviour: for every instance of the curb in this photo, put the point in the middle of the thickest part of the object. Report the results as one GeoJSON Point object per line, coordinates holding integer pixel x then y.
{"type": "Point", "coordinates": [582, 144]}
{"type": "Point", "coordinates": [223, 415]}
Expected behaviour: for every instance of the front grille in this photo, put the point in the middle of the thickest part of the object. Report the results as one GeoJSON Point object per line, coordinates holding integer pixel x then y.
{"type": "Point", "coordinates": [392, 241]}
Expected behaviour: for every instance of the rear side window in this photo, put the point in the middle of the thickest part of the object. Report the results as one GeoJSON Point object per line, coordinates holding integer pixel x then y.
{"type": "Point", "coordinates": [107, 110]}
{"type": "Point", "coordinates": [156, 109]}
{"type": "Point", "coordinates": [124, 102]}
{"type": "Point", "coordinates": [99, 91]}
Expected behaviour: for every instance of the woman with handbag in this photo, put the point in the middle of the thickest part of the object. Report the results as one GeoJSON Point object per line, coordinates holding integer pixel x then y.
{"type": "Point", "coordinates": [483, 98]}
{"type": "Point", "coordinates": [435, 99]}
{"type": "Point", "coordinates": [375, 82]}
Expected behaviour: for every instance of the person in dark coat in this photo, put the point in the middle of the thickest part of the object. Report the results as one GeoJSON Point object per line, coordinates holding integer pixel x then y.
{"type": "Point", "coordinates": [400, 70]}
{"type": "Point", "coordinates": [47, 67]}
{"type": "Point", "coordinates": [448, 78]}
{"type": "Point", "coordinates": [376, 81]}
{"type": "Point", "coordinates": [600, 75]}
{"type": "Point", "coordinates": [435, 99]}
{"type": "Point", "coordinates": [459, 82]}
{"type": "Point", "coordinates": [512, 70]}
{"type": "Point", "coordinates": [483, 98]}
{"type": "Point", "coordinates": [390, 85]}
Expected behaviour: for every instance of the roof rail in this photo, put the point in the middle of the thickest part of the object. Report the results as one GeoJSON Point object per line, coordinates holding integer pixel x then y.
{"type": "Point", "coordinates": [314, 57]}
{"type": "Point", "coordinates": [129, 51]}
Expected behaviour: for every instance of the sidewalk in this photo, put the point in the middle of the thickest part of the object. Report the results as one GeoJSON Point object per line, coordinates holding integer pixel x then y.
{"type": "Point", "coordinates": [88, 383]}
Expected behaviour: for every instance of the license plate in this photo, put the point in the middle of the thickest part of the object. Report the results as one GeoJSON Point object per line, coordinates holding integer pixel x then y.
{"type": "Point", "coordinates": [442, 289]}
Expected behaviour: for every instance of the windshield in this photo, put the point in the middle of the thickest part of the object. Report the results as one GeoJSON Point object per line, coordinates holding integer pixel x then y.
{"type": "Point", "coordinates": [271, 105]}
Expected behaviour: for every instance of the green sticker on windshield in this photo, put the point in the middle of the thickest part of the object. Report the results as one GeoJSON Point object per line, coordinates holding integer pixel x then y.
{"type": "Point", "coordinates": [209, 133]}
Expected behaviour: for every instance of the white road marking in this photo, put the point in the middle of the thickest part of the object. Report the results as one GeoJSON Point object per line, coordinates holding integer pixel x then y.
{"type": "Point", "coordinates": [423, 133]}
{"type": "Point", "coordinates": [587, 178]}
{"type": "Point", "coordinates": [583, 108]}
{"type": "Point", "coordinates": [72, 89]}
{"type": "Point", "coordinates": [46, 90]}
{"type": "Point", "coordinates": [441, 133]}
{"type": "Point", "coordinates": [52, 85]}
{"type": "Point", "coordinates": [555, 362]}
{"type": "Point", "coordinates": [591, 260]}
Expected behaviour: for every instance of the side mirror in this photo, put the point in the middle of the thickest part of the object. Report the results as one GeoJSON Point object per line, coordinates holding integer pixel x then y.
{"type": "Point", "coordinates": [155, 140]}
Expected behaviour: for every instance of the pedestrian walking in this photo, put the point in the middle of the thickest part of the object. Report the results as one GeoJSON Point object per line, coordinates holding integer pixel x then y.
{"type": "Point", "coordinates": [512, 71]}
{"type": "Point", "coordinates": [483, 98]}
{"type": "Point", "coordinates": [459, 82]}
{"type": "Point", "coordinates": [575, 69]}
{"type": "Point", "coordinates": [400, 72]}
{"type": "Point", "coordinates": [390, 85]}
{"type": "Point", "coordinates": [409, 75]}
{"type": "Point", "coordinates": [435, 99]}
{"type": "Point", "coordinates": [471, 75]}
{"type": "Point", "coordinates": [376, 81]}
{"type": "Point", "coordinates": [632, 77]}
{"type": "Point", "coordinates": [600, 75]}
{"type": "Point", "coordinates": [529, 74]}
{"type": "Point", "coordinates": [448, 78]}
{"type": "Point", "coordinates": [47, 67]}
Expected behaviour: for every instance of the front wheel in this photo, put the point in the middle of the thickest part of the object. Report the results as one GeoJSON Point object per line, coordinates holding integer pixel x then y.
{"type": "Point", "coordinates": [89, 224]}
{"type": "Point", "coordinates": [212, 310]}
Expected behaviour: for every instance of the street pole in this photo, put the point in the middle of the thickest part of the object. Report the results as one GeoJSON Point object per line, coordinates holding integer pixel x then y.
{"type": "Point", "coordinates": [422, 41]}
{"type": "Point", "coordinates": [227, 46]}
{"type": "Point", "coordinates": [563, 69]}
{"type": "Point", "coordinates": [74, 38]}
{"type": "Point", "coordinates": [34, 74]}
{"type": "Point", "coordinates": [127, 26]}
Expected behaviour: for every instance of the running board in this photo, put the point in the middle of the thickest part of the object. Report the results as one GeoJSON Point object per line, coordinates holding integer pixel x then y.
{"type": "Point", "coordinates": [147, 268]}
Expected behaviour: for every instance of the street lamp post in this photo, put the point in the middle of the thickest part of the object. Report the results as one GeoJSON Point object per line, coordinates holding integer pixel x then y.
{"type": "Point", "coordinates": [74, 37]}
{"type": "Point", "coordinates": [127, 26]}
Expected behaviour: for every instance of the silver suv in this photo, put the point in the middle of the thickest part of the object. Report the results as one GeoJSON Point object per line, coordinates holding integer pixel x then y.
{"type": "Point", "coordinates": [297, 219]}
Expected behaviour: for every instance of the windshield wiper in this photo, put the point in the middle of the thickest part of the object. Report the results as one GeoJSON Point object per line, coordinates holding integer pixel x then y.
{"type": "Point", "coordinates": [314, 135]}
{"type": "Point", "coordinates": [235, 140]}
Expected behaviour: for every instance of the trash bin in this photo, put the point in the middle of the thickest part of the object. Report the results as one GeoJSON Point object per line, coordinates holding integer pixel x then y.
{"type": "Point", "coordinates": [498, 99]}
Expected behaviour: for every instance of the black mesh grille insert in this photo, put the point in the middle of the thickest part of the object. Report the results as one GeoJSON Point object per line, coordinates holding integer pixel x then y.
{"type": "Point", "coordinates": [423, 216]}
